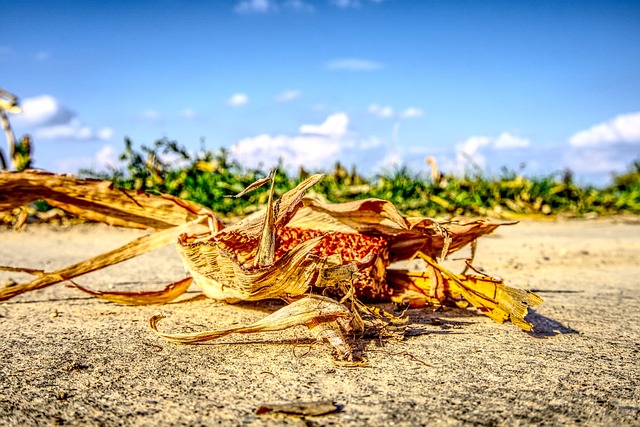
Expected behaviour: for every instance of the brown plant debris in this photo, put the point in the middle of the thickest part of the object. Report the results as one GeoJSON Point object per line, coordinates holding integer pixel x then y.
{"type": "Point", "coordinates": [168, 294]}
{"type": "Point", "coordinates": [298, 244]}
{"type": "Point", "coordinates": [301, 408]}
{"type": "Point", "coordinates": [96, 200]}
{"type": "Point", "coordinates": [325, 317]}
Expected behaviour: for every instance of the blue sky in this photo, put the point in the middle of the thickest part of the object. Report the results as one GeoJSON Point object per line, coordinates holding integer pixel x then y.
{"type": "Point", "coordinates": [548, 84]}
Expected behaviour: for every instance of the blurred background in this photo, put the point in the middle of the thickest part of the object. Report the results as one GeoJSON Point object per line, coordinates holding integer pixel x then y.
{"type": "Point", "coordinates": [536, 86]}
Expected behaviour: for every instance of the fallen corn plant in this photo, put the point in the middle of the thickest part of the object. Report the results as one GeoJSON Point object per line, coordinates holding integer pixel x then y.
{"type": "Point", "coordinates": [327, 261]}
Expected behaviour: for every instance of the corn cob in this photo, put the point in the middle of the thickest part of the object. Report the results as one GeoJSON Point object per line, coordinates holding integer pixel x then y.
{"type": "Point", "coordinates": [371, 284]}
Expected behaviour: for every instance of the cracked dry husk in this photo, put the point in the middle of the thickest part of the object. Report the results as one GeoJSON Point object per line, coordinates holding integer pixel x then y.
{"type": "Point", "coordinates": [227, 267]}
{"type": "Point", "coordinates": [299, 243]}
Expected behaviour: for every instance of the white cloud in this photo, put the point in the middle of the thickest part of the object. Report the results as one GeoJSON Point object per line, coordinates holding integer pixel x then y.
{"type": "Point", "coordinates": [353, 64]}
{"type": "Point", "coordinates": [411, 113]}
{"type": "Point", "coordinates": [387, 112]}
{"type": "Point", "coordinates": [471, 150]}
{"type": "Point", "coordinates": [335, 125]}
{"type": "Point", "coordinates": [44, 110]}
{"type": "Point", "coordinates": [390, 161]}
{"type": "Point", "coordinates": [380, 111]}
{"type": "Point", "coordinates": [74, 130]}
{"type": "Point", "coordinates": [315, 146]}
{"type": "Point", "coordinates": [288, 95]}
{"type": "Point", "coordinates": [623, 129]}
{"type": "Point", "coordinates": [45, 118]}
{"type": "Point", "coordinates": [351, 4]}
{"type": "Point", "coordinates": [604, 148]}
{"type": "Point", "coordinates": [238, 100]}
{"type": "Point", "coordinates": [105, 134]}
{"type": "Point", "coordinates": [595, 161]}
{"type": "Point", "coordinates": [104, 159]}
{"type": "Point", "coordinates": [508, 140]}
{"type": "Point", "coordinates": [300, 150]}
{"type": "Point", "coordinates": [255, 6]}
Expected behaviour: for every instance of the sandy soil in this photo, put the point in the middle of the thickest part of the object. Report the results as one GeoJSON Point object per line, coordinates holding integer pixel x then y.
{"type": "Point", "coordinates": [67, 359]}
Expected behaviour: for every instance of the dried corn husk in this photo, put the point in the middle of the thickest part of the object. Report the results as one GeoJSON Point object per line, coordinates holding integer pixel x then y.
{"type": "Point", "coordinates": [489, 295]}
{"type": "Point", "coordinates": [381, 218]}
{"type": "Point", "coordinates": [220, 276]}
{"type": "Point", "coordinates": [253, 260]}
{"type": "Point", "coordinates": [97, 200]}
{"type": "Point", "coordinates": [238, 262]}
{"type": "Point", "coordinates": [132, 249]}
{"type": "Point", "coordinates": [168, 294]}
{"type": "Point", "coordinates": [325, 317]}
{"type": "Point", "coordinates": [243, 237]}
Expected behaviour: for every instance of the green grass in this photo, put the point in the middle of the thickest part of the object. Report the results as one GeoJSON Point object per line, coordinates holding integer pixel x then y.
{"type": "Point", "coordinates": [206, 177]}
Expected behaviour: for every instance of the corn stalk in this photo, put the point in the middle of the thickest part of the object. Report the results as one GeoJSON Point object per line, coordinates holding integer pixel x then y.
{"type": "Point", "coordinates": [8, 104]}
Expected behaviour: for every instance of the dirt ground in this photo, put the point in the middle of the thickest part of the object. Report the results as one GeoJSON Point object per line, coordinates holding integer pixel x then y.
{"type": "Point", "coordinates": [68, 359]}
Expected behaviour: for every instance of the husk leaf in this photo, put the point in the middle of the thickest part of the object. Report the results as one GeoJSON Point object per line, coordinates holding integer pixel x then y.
{"type": "Point", "coordinates": [97, 200]}
{"type": "Point", "coordinates": [220, 264]}
{"type": "Point", "coordinates": [243, 237]}
{"type": "Point", "coordinates": [132, 249]}
{"type": "Point", "coordinates": [220, 276]}
{"type": "Point", "coordinates": [168, 294]}
{"type": "Point", "coordinates": [381, 218]}
{"type": "Point", "coordinates": [489, 295]}
{"type": "Point", "coordinates": [310, 311]}
{"type": "Point", "coordinates": [267, 247]}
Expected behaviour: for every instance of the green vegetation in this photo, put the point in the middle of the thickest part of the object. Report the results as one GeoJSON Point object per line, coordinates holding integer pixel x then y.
{"type": "Point", "coordinates": [207, 177]}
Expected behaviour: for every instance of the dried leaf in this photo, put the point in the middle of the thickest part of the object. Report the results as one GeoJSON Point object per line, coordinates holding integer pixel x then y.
{"type": "Point", "coordinates": [406, 236]}
{"type": "Point", "coordinates": [242, 238]}
{"type": "Point", "coordinates": [489, 295]}
{"type": "Point", "coordinates": [132, 249]}
{"type": "Point", "coordinates": [310, 311]}
{"type": "Point", "coordinates": [301, 408]}
{"type": "Point", "coordinates": [220, 276]}
{"type": "Point", "coordinates": [324, 328]}
{"type": "Point", "coordinates": [362, 216]}
{"type": "Point", "coordinates": [267, 246]}
{"type": "Point", "coordinates": [215, 263]}
{"type": "Point", "coordinates": [32, 271]}
{"type": "Point", "coordinates": [259, 183]}
{"type": "Point", "coordinates": [168, 294]}
{"type": "Point", "coordinates": [97, 200]}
